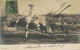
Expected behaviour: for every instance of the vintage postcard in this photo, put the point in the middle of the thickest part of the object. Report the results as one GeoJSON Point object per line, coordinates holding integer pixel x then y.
{"type": "Point", "coordinates": [43, 24]}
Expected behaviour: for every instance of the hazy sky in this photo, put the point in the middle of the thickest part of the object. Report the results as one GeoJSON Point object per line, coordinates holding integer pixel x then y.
{"type": "Point", "coordinates": [45, 6]}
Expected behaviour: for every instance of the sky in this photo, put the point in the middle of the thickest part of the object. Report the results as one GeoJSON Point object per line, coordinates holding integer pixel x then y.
{"type": "Point", "coordinates": [46, 6]}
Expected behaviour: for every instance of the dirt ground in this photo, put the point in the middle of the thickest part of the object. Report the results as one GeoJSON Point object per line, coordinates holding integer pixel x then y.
{"type": "Point", "coordinates": [18, 37]}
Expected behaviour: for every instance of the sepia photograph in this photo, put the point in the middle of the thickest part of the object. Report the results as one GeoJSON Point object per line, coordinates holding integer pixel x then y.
{"type": "Point", "coordinates": [39, 22]}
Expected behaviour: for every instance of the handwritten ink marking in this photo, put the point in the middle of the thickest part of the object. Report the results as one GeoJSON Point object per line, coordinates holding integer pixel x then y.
{"type": "Point", "coordinates": [46, 45]}
{"type": "Point", "coordinates": [33, 46]}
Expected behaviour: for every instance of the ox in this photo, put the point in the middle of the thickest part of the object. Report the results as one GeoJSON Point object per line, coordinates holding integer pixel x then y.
{"type": "Point", "coordinates": [33, 22]}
